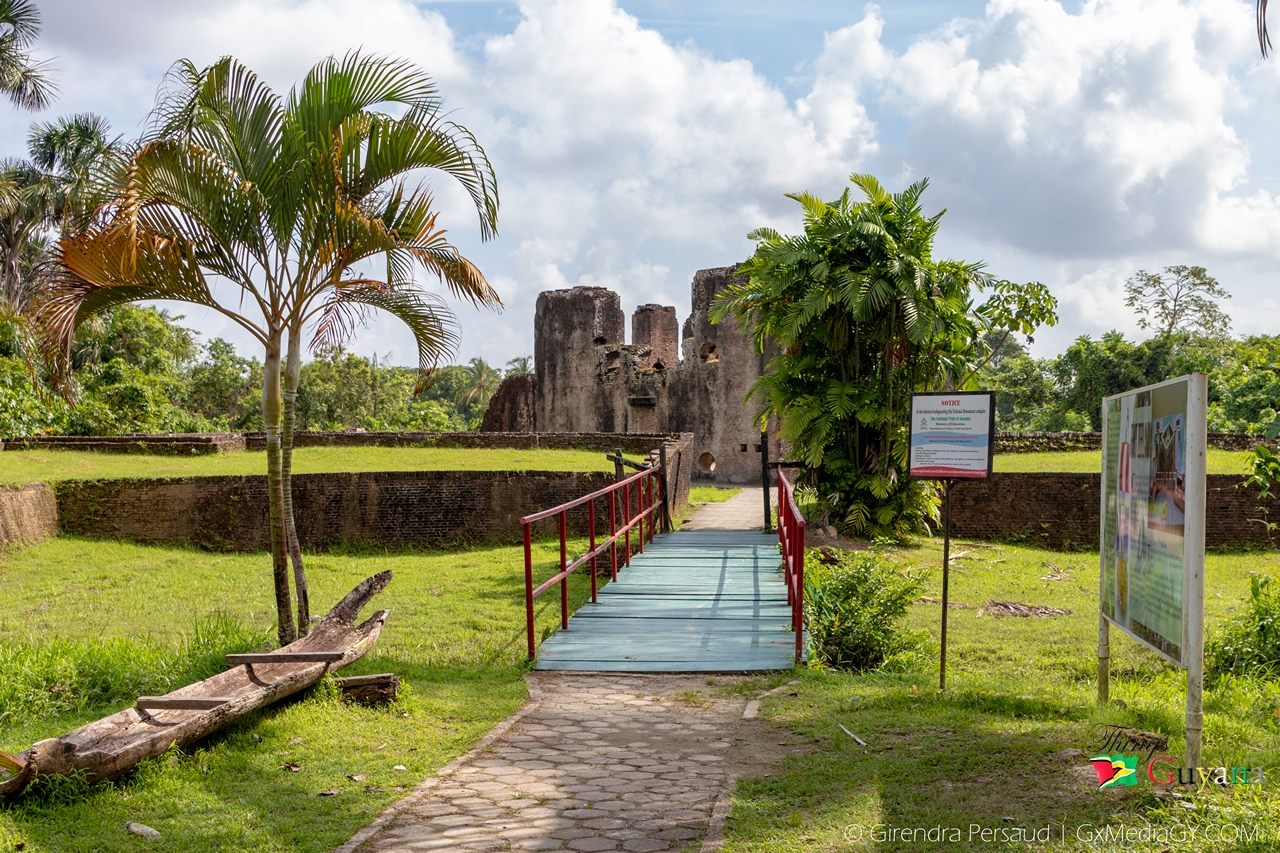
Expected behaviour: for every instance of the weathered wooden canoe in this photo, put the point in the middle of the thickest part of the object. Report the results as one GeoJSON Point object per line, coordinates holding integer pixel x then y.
{"type": "Point", "coordinates": [110, 747]}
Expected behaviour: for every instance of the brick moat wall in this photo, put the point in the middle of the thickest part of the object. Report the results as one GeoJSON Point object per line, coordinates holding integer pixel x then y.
{"type": "Point", "coordinates": [28, 514]}
{"type": "Point", "coordinates": [389, 508]}
{"type": "Point", "coordinates": [1061, 511]}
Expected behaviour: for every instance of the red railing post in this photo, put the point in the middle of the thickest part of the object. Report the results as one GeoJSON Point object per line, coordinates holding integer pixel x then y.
{"type": "Point", "coordinates": [564, 564]}
{"type": "Point", "coordinates": [640, 508]}
{"type": "Point", "coordinates": [528, 586]}
{"type": "Point", "coordinates": [626, 519]}
{"type": "Point", "coordinates": [591, 525]}
{"type": "Point", "coordinates": [613, 530]}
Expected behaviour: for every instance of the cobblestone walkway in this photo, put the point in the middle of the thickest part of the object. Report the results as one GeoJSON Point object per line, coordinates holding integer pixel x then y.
{"type": "Point", "coordinates": [601, 762]}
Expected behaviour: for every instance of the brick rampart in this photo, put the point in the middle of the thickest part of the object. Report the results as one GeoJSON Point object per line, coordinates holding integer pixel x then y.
{"type": "Point", "coordinates": [164, 444]}
{"type": "Point", "coordinates": [28, 514]}
{"type": "Point", "coordinates": [1061, 511]}
{"type": "Point", "coordinates": [390, 508]}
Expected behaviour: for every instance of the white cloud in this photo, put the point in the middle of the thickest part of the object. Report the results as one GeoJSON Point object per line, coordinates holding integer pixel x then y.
{"type": "Point", "coordinates": [1071, 148]}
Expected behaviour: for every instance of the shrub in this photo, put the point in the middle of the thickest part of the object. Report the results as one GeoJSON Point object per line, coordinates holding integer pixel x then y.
{"type": "Point", "coordinates": [854, 605]}
{"type": "Point", "coordinates": [1249, 643]}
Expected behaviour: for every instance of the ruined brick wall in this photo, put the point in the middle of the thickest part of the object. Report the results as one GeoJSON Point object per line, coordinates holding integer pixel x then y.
{"type": "Point", "coordinates": [597, 383]}
{"type": "Point", "coordinates": [1062, 510]}
{"type": "Point", "coordinates": [658, 328]}
{"type": "Point", "coordinates": [511, 407]}
{"type": "Point", "coordinates": [28, 514]}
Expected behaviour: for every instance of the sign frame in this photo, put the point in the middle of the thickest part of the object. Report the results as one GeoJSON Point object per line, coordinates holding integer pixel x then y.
{"type": "Point", "coordinates": [1194, 493]}
{"type": "Point", "coordinates": [991, 435]}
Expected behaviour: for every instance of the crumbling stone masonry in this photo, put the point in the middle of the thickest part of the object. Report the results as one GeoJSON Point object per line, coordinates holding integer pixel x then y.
{"type": "Point", "coordinates": [668, 379]}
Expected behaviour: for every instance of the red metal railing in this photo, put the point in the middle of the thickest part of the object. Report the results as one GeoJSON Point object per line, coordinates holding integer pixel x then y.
{"type": "Point", "coordinates": [648, 489]}
{"type": "Point", "coordinates": [791, 527]}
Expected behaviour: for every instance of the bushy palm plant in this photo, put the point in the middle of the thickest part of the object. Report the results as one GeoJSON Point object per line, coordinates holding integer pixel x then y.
{"type": "Point", "coordinates": [863, 316]}
{"type": "Point", "coordinates": [288, 216]}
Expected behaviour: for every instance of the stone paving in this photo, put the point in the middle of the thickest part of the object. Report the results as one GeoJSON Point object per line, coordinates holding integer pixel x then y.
{"type": "Point", "coordinates": [743, 511]}
{"type": "Point", "coordinates": [595, 762]}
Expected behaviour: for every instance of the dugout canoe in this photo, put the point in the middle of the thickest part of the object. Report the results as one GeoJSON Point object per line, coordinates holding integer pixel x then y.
{"type": "Point", "coordinates": [108, 748]}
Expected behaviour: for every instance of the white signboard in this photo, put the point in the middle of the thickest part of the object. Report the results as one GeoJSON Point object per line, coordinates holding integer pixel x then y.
{"type": "Point", "coordinates": [952, 434]}
{"type": "Point", "coordinates": [1153, 501]}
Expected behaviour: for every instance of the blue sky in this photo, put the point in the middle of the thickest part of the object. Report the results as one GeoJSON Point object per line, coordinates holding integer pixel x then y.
{"type": "Point", "coordinates": [637, 141]}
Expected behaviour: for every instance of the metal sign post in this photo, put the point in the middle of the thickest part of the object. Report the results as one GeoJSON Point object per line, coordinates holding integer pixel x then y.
{"type": "Point", "coordinates": [1151, 536]}
{"type": "Point", "coordinates": [952, 439]}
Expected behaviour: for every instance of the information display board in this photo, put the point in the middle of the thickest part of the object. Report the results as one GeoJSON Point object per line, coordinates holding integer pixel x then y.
{"type": "Point", "coordinates": [1153, 498]}
{"type": "Point", "coordinates": [952, 434]}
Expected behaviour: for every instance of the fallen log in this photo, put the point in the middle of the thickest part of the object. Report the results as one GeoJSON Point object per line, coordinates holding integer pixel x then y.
{"type": "Point", "coordinates": [108, 748]}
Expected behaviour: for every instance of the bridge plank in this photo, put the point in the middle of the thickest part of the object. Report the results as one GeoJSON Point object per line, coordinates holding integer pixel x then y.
{"type": "Point", "coordinates": [692, 602]}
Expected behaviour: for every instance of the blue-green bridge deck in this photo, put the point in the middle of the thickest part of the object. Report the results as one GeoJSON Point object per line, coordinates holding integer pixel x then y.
{"type": "Point", "coordinates": [694, 601]}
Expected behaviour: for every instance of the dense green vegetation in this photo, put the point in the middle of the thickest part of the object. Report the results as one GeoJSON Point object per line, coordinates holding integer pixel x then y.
{"type": "Point", "coordinates": [140, 370]}
{"type": "Point", "coordinates": [861, 315]}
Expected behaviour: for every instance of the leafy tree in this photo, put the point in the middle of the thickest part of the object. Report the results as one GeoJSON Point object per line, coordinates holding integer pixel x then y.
{"type": "Point", "coordinates": [863, 316]}
{"type": "Point", "coordinates": [284, 203]}
{"type": "Point", "coordinates": [225, 388]}
{"type": "Point", "coordinates": [23, 79]}
{"type": "Point", "coordinates": [521, 365]}
{"type": "Point", "coordinates": [1244, 389]}
{"type": "Point", "coordinates": [1179, 300]}
{"type": "Point", "coordinates": [1090, 370]}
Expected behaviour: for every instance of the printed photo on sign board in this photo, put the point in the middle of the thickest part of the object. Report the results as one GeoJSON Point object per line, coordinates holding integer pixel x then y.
{"type": "Point", "coordinates": [1144, 515]}
{"type": "Point", "coordinates": [951, 435]}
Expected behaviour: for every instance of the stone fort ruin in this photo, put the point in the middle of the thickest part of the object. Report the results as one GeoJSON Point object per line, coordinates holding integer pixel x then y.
{"type": "Point", "coordinates": [669, 379]}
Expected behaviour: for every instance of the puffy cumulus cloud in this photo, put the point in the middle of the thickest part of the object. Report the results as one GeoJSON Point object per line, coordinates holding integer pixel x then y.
{"type": "Point", "coordinates": [623, 160]}
{"type": "Point", "coordinates": [1099, 133]}
{"type": "Point", "coordinates": [631, 155]}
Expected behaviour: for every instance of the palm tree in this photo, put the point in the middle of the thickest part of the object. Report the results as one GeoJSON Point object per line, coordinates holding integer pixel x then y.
{"type": "Point", "coordinates": [286, 216]}
{"type": "Point", "coordinates": [37, 196]}
{"type": "Point", "coordinates": [22, 78]}
{"type": "Point", "coordinates": [521, 365]}
{"type": "Point", "coordinates": [1264, 40]}
{"type": "Point", "coordinates": [482, 380]}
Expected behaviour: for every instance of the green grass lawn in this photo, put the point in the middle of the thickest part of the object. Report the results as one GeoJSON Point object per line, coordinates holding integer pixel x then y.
{"type": "Point", "coordinates": [710, 494]}
{"type": "Point", "coordinates": [1020, 691]}
{"type": "Point", "coordinates": [1090, 462]}
{"type": "Point", "coordinates": [86, 626]}
{"type": "Point", "coordinates": [28, 466]}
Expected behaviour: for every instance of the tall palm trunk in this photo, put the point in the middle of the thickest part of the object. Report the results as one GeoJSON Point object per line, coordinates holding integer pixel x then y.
{"type": "Point", "coordinates": [292, 372]}
{"type": "Point", "coordinates": [275, 491]}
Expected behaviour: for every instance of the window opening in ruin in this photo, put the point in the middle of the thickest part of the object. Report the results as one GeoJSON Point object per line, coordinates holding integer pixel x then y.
{"type": "Point", "coordinates": [612, 361]}
{"type": "Point", "coordinates": [742, 448]}
{"type": "Point", "coordinates": [599, 339]}
{"type": "Point", "coordinates": [757, 448]}
{"type": "Point", "coordinates": [706, 463]}
{"type": "Point", "coordinates": [658, 365]}
{"type": "Point", "coordinates": [708, 352]}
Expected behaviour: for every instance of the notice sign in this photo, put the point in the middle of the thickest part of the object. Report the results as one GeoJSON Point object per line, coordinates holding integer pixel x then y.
{"type": "Point", "coordinates": [1153, 493]}
{"type": "Point", "coordinates": [952, 435]}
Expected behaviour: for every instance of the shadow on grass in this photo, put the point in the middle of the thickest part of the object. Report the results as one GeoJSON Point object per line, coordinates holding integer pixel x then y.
{"type": "Point", "coordinates": [973, 760]}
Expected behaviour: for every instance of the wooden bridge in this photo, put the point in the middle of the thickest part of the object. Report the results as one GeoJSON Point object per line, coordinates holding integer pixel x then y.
{"type": "Point", "coordinates": [712, 597]}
